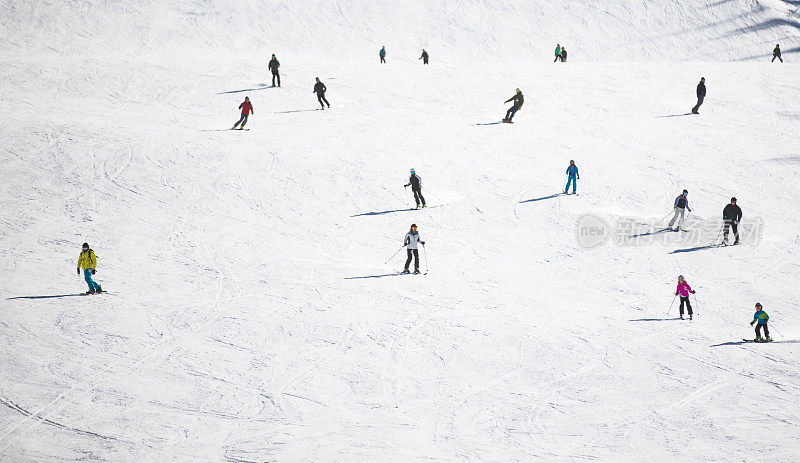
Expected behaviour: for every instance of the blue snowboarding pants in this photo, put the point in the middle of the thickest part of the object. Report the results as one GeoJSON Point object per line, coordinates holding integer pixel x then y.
{"type": "Point", "coordinates": [87, 274]}
{"type": "Point", "coordinates": [573, 181]}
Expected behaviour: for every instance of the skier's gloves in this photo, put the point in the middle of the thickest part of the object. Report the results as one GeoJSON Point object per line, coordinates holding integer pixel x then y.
{"type": "Point", "coordinates": [407, 184]}
{"type": "Point", "coordinates": [94, 271]}
{"type": "Point", "coordinates": [751, 323]}
{"type": "Point", "coordinates": [423, 243]}
{"type": "Point", "coordinates": [79, 270]}
{"type": "Point", "coordinates": [694, 292]}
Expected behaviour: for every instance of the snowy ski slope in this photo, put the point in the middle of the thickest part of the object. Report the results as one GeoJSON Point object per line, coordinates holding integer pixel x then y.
{"type": "Point", "coordinates": [250, 316]}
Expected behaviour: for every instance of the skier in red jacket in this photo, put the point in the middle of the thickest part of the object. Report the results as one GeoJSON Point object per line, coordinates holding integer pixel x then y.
{"type": "Point", "coordinates": [247, 109]}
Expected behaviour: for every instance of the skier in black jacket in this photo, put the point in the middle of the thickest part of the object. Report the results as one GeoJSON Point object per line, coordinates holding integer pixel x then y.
{"type": "Point", "coordinates": [273, 66]}
{"type": "Point", "coordinates": [518, 100]}
{"type": "Point", "coordinates": [424, 57]}
{"type": "Point", "coordinates": [416, 188]}
{"type": "Point", "coordinates": [701, 95]}
{"type": "Point", "coordinates": [731, 216]}
{"type": "Point", "coordinates": [776, 53]}
{"type": "Point", "coordinates": [320, 89]}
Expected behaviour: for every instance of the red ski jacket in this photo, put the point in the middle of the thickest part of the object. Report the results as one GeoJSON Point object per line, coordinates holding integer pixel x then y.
{"type": "Point", "coordinates": [246, 107]}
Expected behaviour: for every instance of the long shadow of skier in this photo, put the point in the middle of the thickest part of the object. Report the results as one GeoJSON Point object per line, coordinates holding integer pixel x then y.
{"type": "Point", "coordinates": [489, 123]}
{"type": "Point", "coordinates": [45, 297]}
{"type": "Point", "coordinates": [541, 199]}
{"type": "Point", "coordinates": [653, 319]}
{"type": "Point", "coordinates": [673, 115]}
{"type": "Point", "coordinates": [739, 343]}
{"type": "Point", "coordinates": [698, 248]}
{"type": "Point", "coordinates": [295, 111]}
{"type": "Point", "coordinates": [263, 87]}
{"type": "Point", "coordinates": [652, 232]}
{"type": "Point", "coordinates": [383, 212]}
{"type": "Point", "coordinates": [376, 276]}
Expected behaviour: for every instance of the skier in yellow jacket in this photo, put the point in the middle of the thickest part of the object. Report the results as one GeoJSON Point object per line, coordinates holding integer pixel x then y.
{"type": "Point", "coordinates": [88, 261]}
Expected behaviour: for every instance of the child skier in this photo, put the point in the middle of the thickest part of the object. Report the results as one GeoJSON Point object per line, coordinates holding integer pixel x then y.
{"type": "Point", "coordinates": [88, 261]}
{"type": "Point", "coordinates": [416, 188]}
{"type": "Point", "coordinates": [572, 177]}
{"type": "Point", "coordinates": [411, 242]}
{"type": "Point", "coordinates": [247, 109]}
{"type": "Point", "coordinates": [762, 318]}
{"type": "Point", "coordinates": [684, 289]}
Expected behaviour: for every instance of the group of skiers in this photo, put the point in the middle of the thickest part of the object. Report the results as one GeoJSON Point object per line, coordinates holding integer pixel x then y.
{"type": "Point", "coordinates": [731, 216]}
{"type": "Point", "coordinates": [382, 55]}
{"type": "Point", "coordinates": [561, 53]}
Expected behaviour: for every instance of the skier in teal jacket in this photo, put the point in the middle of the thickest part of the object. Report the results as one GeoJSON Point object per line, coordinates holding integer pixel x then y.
{"type": "Point", "coordinates": [761, 318]}
{"type": "Point", "coordinates": [572, 177]}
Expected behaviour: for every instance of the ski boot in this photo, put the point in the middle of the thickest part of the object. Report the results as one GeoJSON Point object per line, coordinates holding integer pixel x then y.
{"type": "Point", "coordinates": [424, 205]}
{"type": "Point", "coordinates": [91, 291]}
{"type": "Point", "coordinates": [405, 271]}
{"type": "Point", "coordinates": [768, 339]}
{"type": "Point", "coordinates": [690, 317]}
{"type": "Point", "coordinates": [99, 290]}
{"type": "Point", "coordinates": [416, 271]}
{"type": "Point", "coordinates": [681, 316]}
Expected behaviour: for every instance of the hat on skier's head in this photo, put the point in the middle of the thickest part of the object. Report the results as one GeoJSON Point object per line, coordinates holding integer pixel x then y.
{"type": "Point", "coordinates": [412, 171]}
{"type": "Point", "coordinates": [686, 192]}
{"type": "Point", "coordinates": [758, 305]}
{"type": "Point", "coordinates": [680, 278]}
{"type": "Point", "coordinates": [85, 245]}
{"type": "Point", "coordinates": [518, 90]}
{"type": "Point", "coordinates": [413, 226]}
{"type": "Point", "coordinates": [273, 55]}
{"type": "Point", "coordinates": [571, 161]}
{"type": "Point", "coordinates": [733, 200]}
{"type": "Point", "coordinates": [247, 98]}
{"type": "Point", "coordinates": [702, 79]}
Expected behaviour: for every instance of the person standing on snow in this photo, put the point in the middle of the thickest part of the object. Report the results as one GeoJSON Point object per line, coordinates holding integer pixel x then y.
{"type": "Point", "coordinates": [701, 95]}
{"type": "Point", "coordinates": [681, 205]}
{"type": "Point", "coordinates": [762, 318]}
{"type": "Point", "coordinates": [731, 216]}
{"type": "Point", "coordinates": [273, 67]}
{"type": "Point", "coordinates": [776, 53]}
{"type": "Point", "coordinates": [518, 100]}
{"type": "Point", "coordinates": [563, 55]}
{"type": "Point", "coordinates": [424, 57]}
{"type": "Point", "coordinates": [416, 188]}
{"type": "Point", "coordinates": [320, 89]}
{"type": "Point", "coordinates": [88, 261]}
{"type": "Point", "coordinates": [558, 52]}
{"type": "Point", "coordinates": [683, 290]}
{"type": "Point", "coordinates": [382, 54]}
{"type": "Point", "coordinates": [247, 109]}
{"type": "Point", "coordinates": [572, 177]}
{"type": "Point", "coordinates": [411, 242]}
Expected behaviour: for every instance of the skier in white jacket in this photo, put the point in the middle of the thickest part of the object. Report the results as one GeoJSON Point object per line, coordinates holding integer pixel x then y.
{"type": "Point", "coordinates": [411, 242]}
{"type": "Point", "coordinates": [681, 205]}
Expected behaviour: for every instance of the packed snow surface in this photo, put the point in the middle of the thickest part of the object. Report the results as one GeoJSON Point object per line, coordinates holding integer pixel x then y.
{"type": "Point", "coordinates": [250, 314]}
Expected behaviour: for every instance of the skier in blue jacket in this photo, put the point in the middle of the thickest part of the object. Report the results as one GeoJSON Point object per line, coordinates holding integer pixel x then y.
{"type": "Point", "coordinates": [573, 176]}
{"type": "Point", "coordinates": [762, 318]}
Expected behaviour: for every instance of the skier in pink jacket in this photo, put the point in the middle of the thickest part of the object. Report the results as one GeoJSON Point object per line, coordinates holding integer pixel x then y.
{"type": "Point", "coordinates": [684, 289]}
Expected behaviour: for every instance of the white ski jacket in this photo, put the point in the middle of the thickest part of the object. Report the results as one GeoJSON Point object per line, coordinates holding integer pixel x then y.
{"type": "Point", "coordinates": [413, 240]}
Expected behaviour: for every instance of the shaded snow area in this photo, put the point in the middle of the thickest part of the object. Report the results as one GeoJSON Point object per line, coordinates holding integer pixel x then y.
{"type": "Point", "coordinates": [250, 314]}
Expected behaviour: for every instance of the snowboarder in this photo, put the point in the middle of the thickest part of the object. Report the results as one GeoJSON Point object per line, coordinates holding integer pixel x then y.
{"type": "Point", "coordinates": [701, 95]}
{"type": "Point", "coordinates": [518, 100]}
{"type": "Point", "coordinates": [683, 290]}
{"type": "Point", "coordinates": [88, 261]}
{"type": "Point", "coordinates": [776, 53]}
{"type": "Point", "coordinates": [411, 242]}
{"type": "Point", "coordinates": [731, 216]}
{"type": "Point", "coordinates": [416, 188]}
{"type": "Point", "coordinates": [572, 177]}
{"type": "Point", "coordinates": [247, 109]}
{"type": "Point", "coordinates": [320, 89]}
{"type": "Point", "coordinates": [382, 54]}
{"type": "Point", "coordinates": [563, 55]}
{"type": "Point", "coordinates": [424, 57]}
{"type": "Point", "coordinates": [761, 318]}
{"type": "Point", "coordinates": [558, 52]}
{"type": "Point", "coordinates": [273, 66]}
{"type": "Point", "coordinates": [681, 205]}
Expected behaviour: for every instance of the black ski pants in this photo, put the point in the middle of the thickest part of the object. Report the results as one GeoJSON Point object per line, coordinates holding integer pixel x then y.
{"type": "Point", "coordinates": [321, 98]}
{"type": "Point", "coordinates": [758, 330]}
{"type": "Point", "coordinates": [510, 113]}
{"type": "Point", "coordinates": [776, 56]}
{"type": "Point", "coordinates": [412, 253]}
{"type": "Point", "coordinates": [418, 196]}
{"type": "Point", "coordinates": [424, 60]}
{"type": "Point", "coordinates": [732, 225]}
{"type": "Point", "coordinates": [276, 75]}
{"type": "Point", "coordinates": [685, 300]}
{"type": "Point", "coordinates": [383, 59]}
{"type": "Point", "coordinates": [242, 120]}
{"type": "Point", "coordinates": [699, 103]}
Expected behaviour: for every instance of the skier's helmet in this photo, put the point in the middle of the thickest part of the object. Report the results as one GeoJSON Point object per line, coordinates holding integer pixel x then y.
{"type": "Point", "coordinates": [85, 246]}
{"type": "Point", "coordinates": [273, 55]}
{"type": "Point", "coordinates": [413, 226]}
{"type": "Point", "coordinates": [247, 98]}
{"type": "Point", "coordinates": [758, 305]}
{"type": "Point", "coordinates": [412, 171]}
{"type": "Point", "coordinates": [733, 200]}
{"type": "Point", "coordinates": [518, 90]}
{"type": "Point", "coordinates": [680, 278]}
{"type": "Point", "coordinates": [686, 192]}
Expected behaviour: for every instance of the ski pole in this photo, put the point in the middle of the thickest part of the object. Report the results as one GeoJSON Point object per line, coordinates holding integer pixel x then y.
{"type": "Point", "coordinates": [425, 253]}
{"type": "Point", "coordinates": [781, 334]}
{"type": "Point", "coordinates": [405, 187]}
{"type": "Point", "coordinates": [401, 248]}
{"type": "Point", "coordinates": [671, 304]}
{"type": "Point", "coordinates": [696, 305]}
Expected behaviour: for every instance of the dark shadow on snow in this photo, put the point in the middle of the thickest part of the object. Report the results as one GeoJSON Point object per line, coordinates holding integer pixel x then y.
{"type": "Point", "coordinates": [697, 248]}
{"type": "Point", "coordinates": [674, 115]}
{"type": "Point", "coordinates": [489, 123]}
{"type": "Point", "coordinates": [663, 230]}
{"type": "Point", "coordinates": [45, 297]}
{"type": "Point", "coordinates": [376, 276]}
{"type": "Point", "coordinates": [540, 199]}
{"type": "Point", "coordinates": [296, 111]}
{"type": "Point", "coordinates": [383, 212]}
{"type": "Point", "coordinates": [262, 87]}
{"type": "Point", "coordinates": [654, 319]}
{"type": "Point", "coordinates": [739, 343]}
